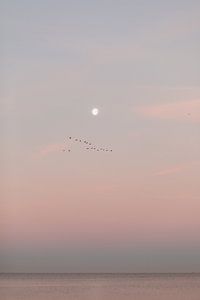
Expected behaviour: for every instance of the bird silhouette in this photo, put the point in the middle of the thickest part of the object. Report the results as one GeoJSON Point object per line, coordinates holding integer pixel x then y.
{"type": "Point", "coordinates": [93, 147]}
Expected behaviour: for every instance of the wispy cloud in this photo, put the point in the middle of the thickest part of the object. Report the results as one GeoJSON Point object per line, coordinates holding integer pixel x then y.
{"type": "Point", "coordinates": [170, 170]}
{"type": "Point", "coordinates": [49, 149]}
{"type": "Point", "coordinates": [179, 111]}
{"type": "Point", "coordinates": [178, 168]}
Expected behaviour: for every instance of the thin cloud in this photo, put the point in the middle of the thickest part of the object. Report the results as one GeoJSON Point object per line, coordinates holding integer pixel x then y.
{"type": "Point", "coordinates": [178, 111]}
{"type": "Point", "coordinates": [176, 168]}
{"type": "Point", "coordinates": [49, 149]}
{"type": "Point", "coordinates": [171, 170]}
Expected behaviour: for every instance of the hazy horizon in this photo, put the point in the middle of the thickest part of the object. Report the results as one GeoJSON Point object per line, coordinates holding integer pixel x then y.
{"type": "Point", "coordinates": [100, 273]}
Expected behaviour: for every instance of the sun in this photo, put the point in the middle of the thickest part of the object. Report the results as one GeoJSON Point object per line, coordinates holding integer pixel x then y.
{"type": "Point", "coordinates": [95, 111]}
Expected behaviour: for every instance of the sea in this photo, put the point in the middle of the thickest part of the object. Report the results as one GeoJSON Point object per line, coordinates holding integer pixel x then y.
{"type": "Point", "coordinates": [100, 286]}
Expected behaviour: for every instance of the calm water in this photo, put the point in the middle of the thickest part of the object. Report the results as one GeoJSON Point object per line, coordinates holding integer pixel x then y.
{"type": "Point", "coordinates": [99, 287]}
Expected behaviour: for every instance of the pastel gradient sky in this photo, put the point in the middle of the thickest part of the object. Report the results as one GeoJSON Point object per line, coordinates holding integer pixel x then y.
{"type": "Point", "coordinates": [136, 209]}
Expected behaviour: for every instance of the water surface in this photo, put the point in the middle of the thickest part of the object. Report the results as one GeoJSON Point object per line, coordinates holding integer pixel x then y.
{"type": "Point", "coordinates": [99, 286]}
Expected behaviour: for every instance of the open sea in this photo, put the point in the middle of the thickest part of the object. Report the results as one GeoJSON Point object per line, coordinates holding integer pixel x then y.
{"type": "Point", "coordinates": [100, 286]}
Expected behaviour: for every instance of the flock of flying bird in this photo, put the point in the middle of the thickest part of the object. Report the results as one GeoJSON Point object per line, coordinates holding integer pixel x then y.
{"type": "Point", "coordinates": [88, 145]}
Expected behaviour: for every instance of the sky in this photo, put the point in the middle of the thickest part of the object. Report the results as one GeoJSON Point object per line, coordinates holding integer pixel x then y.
{"type": "Point", "coordinates": [135, 209]}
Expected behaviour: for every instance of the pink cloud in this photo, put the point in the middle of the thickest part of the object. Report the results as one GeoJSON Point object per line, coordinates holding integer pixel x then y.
{"type": "Point", "coordinates": [179, 111]}
{"type": "Point", "coordinates": [171, 170]}
{"type": "Point", "coordinates": [50, 149]}
{"type": "Point", "coordinates": [176, 168]}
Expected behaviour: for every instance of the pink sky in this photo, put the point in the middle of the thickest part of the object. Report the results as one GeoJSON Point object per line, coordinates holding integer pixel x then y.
{"type": "Point", "coordinates": [139, 65]}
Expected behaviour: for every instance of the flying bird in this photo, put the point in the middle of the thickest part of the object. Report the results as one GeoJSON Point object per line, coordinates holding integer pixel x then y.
{"type": "Point", "coordinates": [89, 144]}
